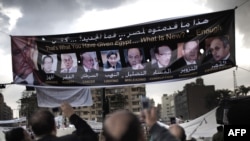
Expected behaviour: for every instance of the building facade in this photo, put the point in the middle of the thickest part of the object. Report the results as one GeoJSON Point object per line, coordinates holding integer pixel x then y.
{"type": "Point", "coordinates": [125, 97]}
{"type": "Point", "coordinates": [6, 112]}
{"type": "Point", "coordinates": [168, 107]}
{"type": "Point", "coordinates": [191, 102]}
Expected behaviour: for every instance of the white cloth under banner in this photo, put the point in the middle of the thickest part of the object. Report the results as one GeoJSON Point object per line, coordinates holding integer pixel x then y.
{"type": "Point", "coordinates": [53, 97]}
{"type": "Point", "coordinates": [22, 119]}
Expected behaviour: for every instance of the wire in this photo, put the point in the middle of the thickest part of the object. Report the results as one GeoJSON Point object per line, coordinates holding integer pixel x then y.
{"type": "Point", "coordinates": [241, 4]}
{"type": "Point", "coordinates": [244, 69]}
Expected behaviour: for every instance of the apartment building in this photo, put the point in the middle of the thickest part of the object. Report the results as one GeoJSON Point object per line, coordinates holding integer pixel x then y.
{"type": "Point", "coordinates": [168, 107]}
{"type": "Point", "coordinates": [6, 112]}
{"type": "Point", "coordinates": [123, 97]}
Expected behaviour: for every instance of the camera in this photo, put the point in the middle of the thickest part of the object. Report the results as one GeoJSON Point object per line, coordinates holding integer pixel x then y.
{"type": "Point", "coordinates": [145, 102]}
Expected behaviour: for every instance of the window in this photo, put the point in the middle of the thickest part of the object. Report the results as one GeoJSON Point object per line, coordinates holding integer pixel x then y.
{"type": "Point", "coordinates": [85, 112]}
{"type": "Point", "coordinates": [134, 89]}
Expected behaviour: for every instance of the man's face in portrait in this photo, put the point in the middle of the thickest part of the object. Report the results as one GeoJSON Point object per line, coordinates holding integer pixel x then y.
{"type": "Point", "coordinates": [134, 57]}
{"type": "Point", "coordinates": [88, 61]}
{"type": "Point", "coordinates": [164, 55]}
{"type": "Point", "coordinates": [218, 50]}
{"type": "Point", "coordinates": [47, 64]}
{"type": "Point", "coordinates": [190, 51]}
{"type": "Point", "coordinates": [21, 57]}
{"type": "Point", "coordinates": [112, 60]}
{"type": "Point", "coordinates": [68, 62]}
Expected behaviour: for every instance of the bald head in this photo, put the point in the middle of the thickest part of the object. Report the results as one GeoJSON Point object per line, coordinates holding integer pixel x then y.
{"type": "Point", "coordinates": [42, 123]}
{"type": "Point", "coordinates": [122, 125]}
{"type": "Point", "coordinates": [178, 132]}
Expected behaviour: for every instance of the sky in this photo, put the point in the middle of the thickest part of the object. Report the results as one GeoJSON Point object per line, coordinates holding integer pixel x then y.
{"type": "Point", "coordinates": [46, 17]}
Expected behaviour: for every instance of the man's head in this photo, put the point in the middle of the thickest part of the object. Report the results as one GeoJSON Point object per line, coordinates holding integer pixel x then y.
{"type": "Point", "coordinates": [43, 123]}
{"type": "Point", "coordinates": [219, 128]}
{"type": "Point", "coordinates": [22, 55]}
{"type": "Point", "coordinates": [134, 56]}
{"type": "Point", "coordinates": [190, 51]}
{"type": "Point", "coordinates": [220, 48]}
{"type": "Point", "coordinates": [67, 60]}
{"type": "Point", "coordinates": [123, 126]}
{"type": "Point", "coordinates": [163, 55]}
{"type": "Point", "coordinates": [87, 60]}
{"type": "Point", "coordinates": [17, 134]}
{"type": "Point", "coordinates": [112, 58]}
{"type": "Point", "coordinates": [47, 63]}
{"type": "Point", "coordinates": [178, 132]}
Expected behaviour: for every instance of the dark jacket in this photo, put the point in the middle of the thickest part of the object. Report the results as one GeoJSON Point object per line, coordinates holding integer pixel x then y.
{"type": "Point", "coordinates": [83, 132]}
{"type": "Point", "coordinates": [159, 133]}
{"type": "Point", "coordinates": [118, 66]}
{"type": "Point", "coordinates": [178, 64]}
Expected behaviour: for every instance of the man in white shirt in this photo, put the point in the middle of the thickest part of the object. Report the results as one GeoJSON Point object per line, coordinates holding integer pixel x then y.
{"type": "Point", "coordinates": [189, 57]}
{"type": "Point", "coordinates": [220, 48]}
{"type": "Point", "coordinates": [68, 64]}
{"type": "Point", "coordinates": [47, 63]}
{"type": "Point", "coordinates": [163, 55]}
{"type": "Point", "coordinates": [88, 62]}
{"type": "Point", "coordinates": [190, 52]}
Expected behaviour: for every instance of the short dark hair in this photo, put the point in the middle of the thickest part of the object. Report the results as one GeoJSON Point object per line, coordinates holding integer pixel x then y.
{"type": "Point", "coordinates": [111, 53]}
{"type": "Point", "coordinates": [183, 134]}
{"type": "Point", "coordinates": [220, 128]}
{"type": "Point", "coordinates": [224, 39]}
{"type": "Point", "coordinates": [140, 50]}
{"type": "Point", "coordinates": [42, 122]}
{"type": "Point", "coordinates": [156, 49]}
{"type": "Point", "coordinates": [15, 134]}
{"type": "Point", "coordinates": [47, 56]}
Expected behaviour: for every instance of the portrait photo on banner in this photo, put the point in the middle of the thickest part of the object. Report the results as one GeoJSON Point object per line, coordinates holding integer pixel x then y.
{"type": "Point", "coordinates": [218, 49]}
{"type": "Point", "coordinates": [135, 58]}
{"type": "Point", "coordinates": [49, 63]}
{"type": "Point", "coordinates": [161, 50]}
{"type": "Point", "coordinates": [111, 60]}
{"type": "Point", "coordinates": [89, 62]}
{"type": "Point", "coordinates": [24, 60]}
{"type": "Point", "coordinates": [161, 56]}
{"type": "Point", "coordinates": [68, 63]}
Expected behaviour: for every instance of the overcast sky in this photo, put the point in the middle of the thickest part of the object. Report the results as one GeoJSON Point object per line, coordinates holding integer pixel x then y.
{"type": "Point", "coordinates": [45, 17]}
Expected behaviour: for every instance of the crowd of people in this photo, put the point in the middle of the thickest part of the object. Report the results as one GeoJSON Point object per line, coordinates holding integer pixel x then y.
{"type": "Point", "coordinates": [121, 125]}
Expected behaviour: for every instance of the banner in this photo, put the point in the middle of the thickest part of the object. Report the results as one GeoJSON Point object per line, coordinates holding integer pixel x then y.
{"type": "Point", "coordinates": [162, 50]}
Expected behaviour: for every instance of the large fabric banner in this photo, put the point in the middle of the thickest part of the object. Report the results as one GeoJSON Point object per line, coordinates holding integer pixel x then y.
{"type": "Point", "coordinates": [164, 50]}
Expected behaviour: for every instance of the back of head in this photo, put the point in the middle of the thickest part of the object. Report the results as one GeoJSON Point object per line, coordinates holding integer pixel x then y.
{"type": "Point", "coordinates": [16, 134]}
{"type": "Point", "coordinates": [130, 127]}
{"type": "Point", "coordinates": [219, 128]}
{"type": "Point", "coordinates": [178, 132]}
{"type": "Point", "coordinates": [42, 122]}
{"type": "Point", "coordinates": [134, 129]}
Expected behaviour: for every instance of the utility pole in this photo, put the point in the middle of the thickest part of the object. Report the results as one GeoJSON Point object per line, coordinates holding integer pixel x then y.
{"type": "Point", "coordinates": [235, 84]}
{"type": "Point", "coordinates": [105, 104]}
